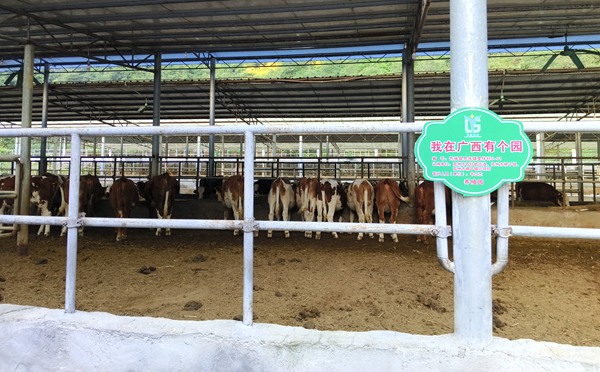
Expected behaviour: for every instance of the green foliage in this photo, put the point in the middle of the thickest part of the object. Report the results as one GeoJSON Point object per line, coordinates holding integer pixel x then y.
{"type": "Point", "coordinates": [342, 67]}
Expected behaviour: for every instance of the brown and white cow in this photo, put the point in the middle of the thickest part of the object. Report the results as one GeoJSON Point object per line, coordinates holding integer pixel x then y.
{"type": "Point", "coordinates": [159, 193]}
{"type": "Point", "coordinates": [90, 192]}
{"type": "Point", "coordinates": [424, 199]}
{"type": "Point", "coordinates": [538, 191]}
{"type": "Point", "coordinates": [306, 200]}
{"type": "Point", "coordinates": [231, 195]}
{"type": "Point", "coordinates": [6, 204]}
{"type": "Point", "coordinates": [360, 196]}
{"type": "Point", "coordinates": [388, 198]}
{"type": "Point", "coordinates": [48, 196]}
{"type": "Point", "coordinates": [331, 198]}
{"type": "Point", "coordinates": [281, 199]}
{"type": "Point", "coordinates": [123, 196]}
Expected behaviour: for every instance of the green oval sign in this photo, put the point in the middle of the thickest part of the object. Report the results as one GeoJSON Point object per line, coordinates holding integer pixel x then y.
{"type": "Point", "coordinates": [473, 151]}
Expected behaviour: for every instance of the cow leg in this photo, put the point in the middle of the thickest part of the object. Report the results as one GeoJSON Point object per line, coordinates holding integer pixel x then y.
{"type": "Point", "coordinates": [361, 219]}
{"type": "Point", "coordinates": [158, 229]}
{"type": "Point", "coordinates": [236, 216]}
{"type": "Point", "coordinates": [369, 218]}
{"type": "Point", "coordinates": [381, 214]}
{"type": "Point", "coordinates": [331, 216]}
{"type": "Point", "coordinates": [271, 217]}
{"type": "Point", "coordinates": [286, 217]}
{"type": "Point", "coordinates": [45, 213]}
{"type": "Point", "coordinates": [393, 217]}
{"type": "Point", "coordinates": [309, 216]}
{"type": "Point", "coordinates": [320, 207]}
{"type": "Point", "coordinates": [168, 229]}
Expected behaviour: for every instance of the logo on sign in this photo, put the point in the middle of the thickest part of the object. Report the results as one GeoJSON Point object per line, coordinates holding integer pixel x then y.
{"type": "Point", "coordinates": [472, 126]}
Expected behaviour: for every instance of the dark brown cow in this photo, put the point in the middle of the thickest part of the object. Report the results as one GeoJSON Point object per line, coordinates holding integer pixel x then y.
{"type": "Point", "coordinates": [538, 191]}
{"type": "Point", "coordinates": [48, 195]}
{"type": "Point", "coordinates": [388, 198]}
{"type": "Point", "coordinates": [424, 199]}
{"type": "Point", "coordinates": [231, 195]}
{"type": "Point", "coordinates": [90, 191]}
{"type": "Point", "coordinates": [160, 192]}
{"type": "Point", "coordinates": [123, 197]}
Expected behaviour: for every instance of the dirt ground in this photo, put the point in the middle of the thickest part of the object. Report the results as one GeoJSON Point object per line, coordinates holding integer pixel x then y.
{"type": "Point", "coordinates": [550, 290]}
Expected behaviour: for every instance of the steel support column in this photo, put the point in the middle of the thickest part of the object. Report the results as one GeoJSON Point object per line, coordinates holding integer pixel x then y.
{"type": "Point", "coordinates": [155, 168]}
{"type": "Point", "coordinates": [26, 114]}
{"type": "Point", "coordinates": [408, 116]}
{"type": "Point", "coordinates": [471, 215]}
{"type": "Point", "coordinates": [248, 228]}
{"type": "Point", "coordinates": [212, 171]}
{"type": "Point", "coordinates": [43, 165]}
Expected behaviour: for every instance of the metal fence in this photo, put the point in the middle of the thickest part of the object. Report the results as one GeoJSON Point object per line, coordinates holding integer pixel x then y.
{"type": "Point", "coordinates": [249, 225]}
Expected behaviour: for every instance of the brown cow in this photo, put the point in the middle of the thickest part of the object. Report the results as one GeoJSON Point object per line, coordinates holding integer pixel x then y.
{"type": "Point", "coordinates": [424, 199]}
{"type": "Point", "coordinates": [281, 199]}
{"type": "Point", "coordinates": [160, 192]}
{"type": "Point", "coordinates": [388, 198]}
{"type": "Point", "coordinates": [538, 191]}
{"type": "Point", "coordinates": [360, 200]}
{"type": "Point", "coordinates": [231, 195]}
{"type": "Point", "coordinates": [306, 200]}
{"type": "Point", "coordinates": [123, 197]}
{"type": "Point", "coordinates": [90, 191]}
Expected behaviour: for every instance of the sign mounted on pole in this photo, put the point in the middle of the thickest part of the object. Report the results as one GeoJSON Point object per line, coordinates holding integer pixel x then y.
{"type": "Point", "coordinates": [473, 151]}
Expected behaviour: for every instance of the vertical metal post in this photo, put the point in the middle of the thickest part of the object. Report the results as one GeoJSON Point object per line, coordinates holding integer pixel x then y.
{"type": "Point", "coordinates": [539, 151]}
{"type": "Point", "coordinates": [578, 155]}
{"type": "Point", "coordinates": [248, 227]}
{"type": "Point", "coordinates": [154, 168]}
{"type": "Point", "coordinates": [212, 171]}
{"type": "Point", "coordinates": [408, 116]}
{"type": "Point", "coordinates": [26, 114]}
{"type": "Point", "coordinates": [300, 155]}
{"type": "Point", "coordinates": [43, 165]}
{"type": "Point", "coordinates": [471, 215]}
{"type": "Point", "coordinates": [72, 227]}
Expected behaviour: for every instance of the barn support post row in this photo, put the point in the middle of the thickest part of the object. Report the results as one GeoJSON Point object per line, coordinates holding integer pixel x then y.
{"type": "Point", "coordinates": [155, 167]}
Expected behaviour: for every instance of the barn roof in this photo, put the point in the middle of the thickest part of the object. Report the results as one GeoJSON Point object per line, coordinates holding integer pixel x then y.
{"type": "Point", "coordinates": [129, 32]}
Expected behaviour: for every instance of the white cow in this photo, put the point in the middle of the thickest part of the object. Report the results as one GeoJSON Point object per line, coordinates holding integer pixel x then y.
{"type": "Point", "coordinates": [360, 200]}
{"type": "Point", "coordinates": [330, 199]}
{"type": "Point", "coordinates": [281, 199]}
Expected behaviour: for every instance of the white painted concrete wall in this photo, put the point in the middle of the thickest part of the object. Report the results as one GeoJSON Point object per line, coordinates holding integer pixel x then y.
{"type": "Point", "coordinates": [39, 339]}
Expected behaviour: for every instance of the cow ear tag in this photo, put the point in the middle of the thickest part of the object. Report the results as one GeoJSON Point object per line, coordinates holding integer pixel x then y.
{"type": "Point", "coordinates": [473, 151]}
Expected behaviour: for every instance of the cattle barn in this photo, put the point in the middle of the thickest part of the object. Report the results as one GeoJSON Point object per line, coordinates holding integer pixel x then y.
{"type": "Point", "coordinates": [181, 98]}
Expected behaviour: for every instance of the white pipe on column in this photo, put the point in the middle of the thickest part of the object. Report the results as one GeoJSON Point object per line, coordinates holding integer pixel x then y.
{"type": "Point", "coordinates": [248, 227]}
{"type": "Point", "coordinates": [72, 228]}
{"type": "Point", "coordinates": [471, 215]}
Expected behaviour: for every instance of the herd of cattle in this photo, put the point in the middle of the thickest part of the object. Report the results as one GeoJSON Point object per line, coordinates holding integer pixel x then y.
{"type": "Point", "coordinates": [320, 200]}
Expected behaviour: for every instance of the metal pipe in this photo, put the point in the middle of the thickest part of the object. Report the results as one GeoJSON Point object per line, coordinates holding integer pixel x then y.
{"type": "Point", "coordinates": [471, 215]}
{"type": "Point", "coordinates": [502, 230]}
{"type": "Point", "coordinates": [248, 227]}
{"type": "Point", "coordinates": [348, 128]}
{"type": "Point", "coordinates": [408, 116]}
{"type": "Point", "coordinates": [439, 195]}
{"type": "Point", "coordinates": [72, 225]}
{"type": "Point", "coordinates": [212, 171]}
{"type": "Point", "coordinates": [155, 167]}
{"type": "Point", "coordinates": [26, 115]}
{"type": "Point", "coordinates": [43, 165]}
